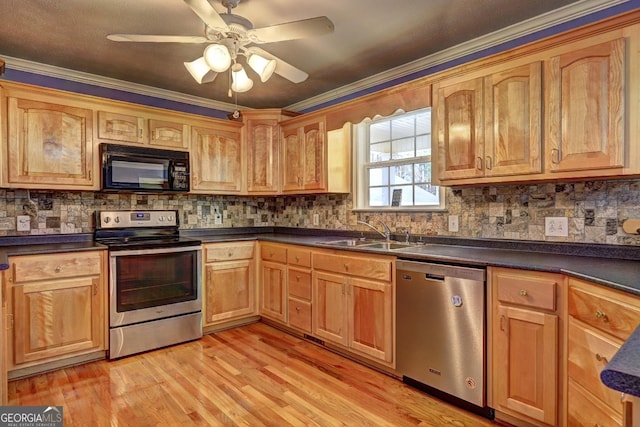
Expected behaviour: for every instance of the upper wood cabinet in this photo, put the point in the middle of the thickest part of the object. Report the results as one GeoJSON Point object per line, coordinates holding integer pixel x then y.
{"type": "Point", "coordinates": [49, 141]}
{"type": "Point", "coordinates": [586, 108]}
{"type": "Point", "coordinates": [490, 126]}
{"type": "Point", "coordinates": [129, 127]}
{"type": "Point", "coordinates": [261, 133]}
{"type": "Point", "coordinates": [216, 159]}
{"type": "Point", "coordinates": [314, 160]}
{"type": "Point", "coordinates": [304, 156]}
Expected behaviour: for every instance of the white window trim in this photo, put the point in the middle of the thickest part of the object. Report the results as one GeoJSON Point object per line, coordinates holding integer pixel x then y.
{"type": "Point", "coordinates": [361, 180]}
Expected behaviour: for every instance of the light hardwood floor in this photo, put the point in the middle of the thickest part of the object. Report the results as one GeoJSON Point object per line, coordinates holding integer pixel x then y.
{"type": "Point", "coordinates": [249, 376]}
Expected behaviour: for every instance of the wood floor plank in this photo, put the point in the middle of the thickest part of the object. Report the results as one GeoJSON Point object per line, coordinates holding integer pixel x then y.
{"type": "Point", "coordinates": [253, 375]}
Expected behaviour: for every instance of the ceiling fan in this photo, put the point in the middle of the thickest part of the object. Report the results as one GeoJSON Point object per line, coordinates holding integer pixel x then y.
{"type": "Point", "coordinates": [229, 36]}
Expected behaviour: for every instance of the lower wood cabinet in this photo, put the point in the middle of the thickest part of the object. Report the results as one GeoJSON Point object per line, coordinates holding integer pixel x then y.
{"type": "Point", "coordinates": [299, 288]}
{"type": "Point", "coordinates": [229, 282]}
{"type": "Point", "coordinates": [354, 303]}
{"type": "Point", "coordinates": [273, 282]}
{"type": "Point", "coordinates": [600, 320]}
{"type": "Point", "coordinates": [525, 345]}
{"type": "Point", "coordinates": [56, 306]}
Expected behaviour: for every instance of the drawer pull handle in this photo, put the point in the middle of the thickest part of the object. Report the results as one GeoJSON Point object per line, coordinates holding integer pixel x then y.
{"type": "Point", "coordinates": [298, 309]}
{"type": "Point", "coordinates": [601, 358]}
{"type": "Point", "coordinates": [297, 258]}
{"type": "Point", "coordinates": [523, 292]}
{"type": "Point", "coordinates": [601, 315]}
{"type": "Point", "coordinates": [346, 266]}
{"type": "Point", "coordinates": [58, 269]}
{"type": "Point", "coordinates": [297, 277]}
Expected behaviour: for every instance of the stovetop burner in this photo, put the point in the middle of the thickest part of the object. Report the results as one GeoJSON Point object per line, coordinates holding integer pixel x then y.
{"type": "Point", "coordinates": [121, 230]}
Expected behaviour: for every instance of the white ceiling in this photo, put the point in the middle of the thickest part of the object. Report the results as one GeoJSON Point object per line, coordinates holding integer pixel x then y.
{"type": "Point", "coordinates": [371, 37]}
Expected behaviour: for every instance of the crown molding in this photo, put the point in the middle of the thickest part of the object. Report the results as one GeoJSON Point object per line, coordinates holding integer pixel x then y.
{"type": "Point", "coordinates": [379, 81]}
{"type": "Point", "coordinates": [505, 35]}
{"type": "Point", "coordinates": [115, 84]}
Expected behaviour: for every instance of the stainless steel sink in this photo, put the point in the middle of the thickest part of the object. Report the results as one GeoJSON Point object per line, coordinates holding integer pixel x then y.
{"type": "Point", "coordinates": [348, 242]}
{"type": "Point", "coordinates": [368, 244]}
{"type": "Point", "coordinates": [389, 246]}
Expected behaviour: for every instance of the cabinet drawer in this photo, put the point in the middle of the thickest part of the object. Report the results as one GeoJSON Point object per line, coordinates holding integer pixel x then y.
{"type": "Point", "coordinates": [589, 352]}
{"type": "Point", "coordinates": [603, 309]}
{"type": "Point", "coordinates": [55, 266]}
{"type": "Point", "coordinates": [531, 289]}
{"type": "Point", "coordinates": [273, 253]}
{"type": "Point", "coordinates": [299, 283]}
{"type": "Point", "coordinates": [300, 314]}
{"type": "Point", "coordinates": [299, 256]}
{"type": "Point", "coordinates": [228, 251]}
{"type": "Point", "coordinates": [373, 268]}
{"type": "Point", "coordinates": [585, 410]}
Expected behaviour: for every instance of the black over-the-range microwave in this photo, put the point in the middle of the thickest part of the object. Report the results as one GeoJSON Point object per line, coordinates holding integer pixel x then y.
{"type": "Point", "coordinates": [129, 168]}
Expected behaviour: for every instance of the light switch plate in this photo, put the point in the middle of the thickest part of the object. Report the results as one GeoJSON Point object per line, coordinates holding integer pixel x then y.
{"type": "Point", "coordinates": [557, 226]}
{"type": "Point", "coordinates": [453, 223]}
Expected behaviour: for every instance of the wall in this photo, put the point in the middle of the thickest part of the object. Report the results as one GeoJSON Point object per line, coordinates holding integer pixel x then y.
{"type": "Point", "coordinates": [595, 210]}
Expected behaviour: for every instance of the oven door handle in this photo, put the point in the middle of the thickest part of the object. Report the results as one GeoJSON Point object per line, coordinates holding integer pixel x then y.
{"type": "Point", "coordinates": [132, 252]}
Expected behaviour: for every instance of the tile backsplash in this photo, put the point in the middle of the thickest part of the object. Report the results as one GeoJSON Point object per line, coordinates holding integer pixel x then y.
{"type": "Point", "coordinates": [595, 211]}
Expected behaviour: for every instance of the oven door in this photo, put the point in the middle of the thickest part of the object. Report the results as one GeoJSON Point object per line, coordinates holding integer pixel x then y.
{"type": "Point", "coordinates": [149, 284]}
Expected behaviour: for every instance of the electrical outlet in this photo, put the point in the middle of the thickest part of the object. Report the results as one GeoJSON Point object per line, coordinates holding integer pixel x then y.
{"type": "Point", "coordinates": [556, 226]}
{"type": "Point", "coordinates": [217, 218]}
{"type": "Point", "coordinates": [453, 223]}
{"type": "Point", "coordinates": [23, 223]}
{"type": "Point", "coordinates": [316, 219]}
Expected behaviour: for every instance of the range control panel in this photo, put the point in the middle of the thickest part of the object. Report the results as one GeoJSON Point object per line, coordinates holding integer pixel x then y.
{"type": "Point", "coordinates": [131, 219]}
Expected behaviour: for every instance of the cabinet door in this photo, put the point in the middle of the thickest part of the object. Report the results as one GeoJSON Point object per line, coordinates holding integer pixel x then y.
{"type": "Point", "coordinates": [460, 130]}
{"type": "Point", "coordinates": [49, 145]}
{"type": "Point", "coordinates": [121, 127]}
{"type": "Point", "coordinates": [304, 157]}
{"type": "Point", "coordinates": [216, 160]}
{"type": "Point", "coordinates": [526, 352]}
{"type": "Point", "coordinates": [371, 318]}
{"type": "Point", "coordinates": [273, 298]}
{"type": "Point", "coordinates": [314, 157]}
{"type": "Point", "coordinates": [228, 291]}
{"type": "Point", "coordinates": [262, 155]}
{"type": "Point", "coordinates": [55, 318]}
{"type": "Point", "coordinates": [330, 307]}
{"type": "Point", "coordinates": [513, 114]}
{"type": "Point", "coordinates": [168, 134]}
{"type": "Point", "coordinates": [292, 160]}
{"type": "Point", "coordinates": [585, 105]}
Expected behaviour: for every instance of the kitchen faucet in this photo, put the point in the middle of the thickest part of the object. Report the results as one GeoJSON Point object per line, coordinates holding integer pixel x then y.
{"type": "Point", "coordinates": [387, 231]}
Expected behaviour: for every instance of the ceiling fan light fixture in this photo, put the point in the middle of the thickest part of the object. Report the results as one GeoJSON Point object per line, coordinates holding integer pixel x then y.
{"type": "Point", "coordinates": [200, 71]}
{"type": "Point", "coordinates": [262, 66]}
{"type": "Point", "coordinates": [217, 57]}
{"type": "Point", "coordinates": [241, 82]}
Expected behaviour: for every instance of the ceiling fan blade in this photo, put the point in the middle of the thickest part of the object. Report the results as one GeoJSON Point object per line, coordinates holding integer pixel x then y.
{"type": "Point", "coordinates": [208, 14]}
{"type": "Point", "coordinates": [156, 39]}
{"type": "Point", "coordinates": [283, 69]}
{"type": "Point", "coordinates": [292, 30]}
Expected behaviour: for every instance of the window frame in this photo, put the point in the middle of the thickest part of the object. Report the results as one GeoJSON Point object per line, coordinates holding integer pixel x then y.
{"type": "Point", "coordinates": [362, 165]}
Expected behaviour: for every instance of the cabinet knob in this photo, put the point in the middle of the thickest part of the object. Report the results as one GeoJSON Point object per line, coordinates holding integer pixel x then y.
{"type": "Point", "coordinates": [297, 277]}
{"type": "Point", "coordinates": [58, 269]}
{"type": "Point", "coordinates": [601, 358]}
{"type": "Point", "coordinates": [298, 309]}
{"type": "Point", "coordinates": [346, 266]}
{"type": "Point", "coordinates": [230, 254]}
{"type": "Point", "coordinates": [523, 292]}
{"type": "Point", "coordinates": [601, 315]}
{"type": "Point", "coordinates": [297, 258]}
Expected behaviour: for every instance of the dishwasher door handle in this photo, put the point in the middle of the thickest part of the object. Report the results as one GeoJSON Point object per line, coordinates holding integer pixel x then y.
{"type": "Point", "coordinates": [430, 276]}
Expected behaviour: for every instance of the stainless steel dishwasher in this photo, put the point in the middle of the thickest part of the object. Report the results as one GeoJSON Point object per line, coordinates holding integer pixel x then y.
{"type": "Point", "coordinates": [441, 330]}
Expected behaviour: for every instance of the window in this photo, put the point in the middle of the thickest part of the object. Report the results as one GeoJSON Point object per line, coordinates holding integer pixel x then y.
{"type": "Point", "coordinates": [393, 163]}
